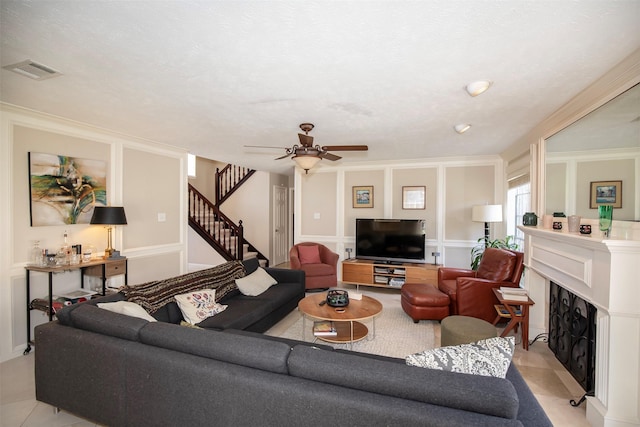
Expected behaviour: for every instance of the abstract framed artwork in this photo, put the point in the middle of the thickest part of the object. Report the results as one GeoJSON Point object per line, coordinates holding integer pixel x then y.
{"type": "Point", "coordinates": [605, 193]}
{"type": "Point", "coordinates": [413, 197]}
{"type": "Point", "coordinates": [65, 189]}
{"type": "Point", "coordinates": [363, 196]}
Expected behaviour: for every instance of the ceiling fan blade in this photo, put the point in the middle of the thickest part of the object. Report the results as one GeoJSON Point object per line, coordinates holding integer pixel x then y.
{"type": "Point", "coordinates": [345, 148]}
{"type": "Point", "coordinates": [305, 140]}
{"type": "Point", "coordinates": [264, 146]}
{"type": "Point", "coordinates": [283, 157]}
{"type": "Point", "coordinates": [330, 156]}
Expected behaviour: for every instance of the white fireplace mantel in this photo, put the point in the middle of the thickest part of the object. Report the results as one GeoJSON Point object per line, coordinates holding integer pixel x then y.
{"type": "Point", "coordinates": [606, 273]}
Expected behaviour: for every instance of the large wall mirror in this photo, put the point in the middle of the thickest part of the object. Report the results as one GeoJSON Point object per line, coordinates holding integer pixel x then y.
{"type": "Point", "coordinates": [598, 151]}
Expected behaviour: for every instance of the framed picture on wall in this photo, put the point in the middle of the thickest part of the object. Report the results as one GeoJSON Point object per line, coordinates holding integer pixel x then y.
{"type": "Point", "coordinates": [413, 197]}
{"type": "Point", "coordinates": [606, 193]}
{"type": "Point", "coordinates": [363, 196]}
{"type": "Point", "coordinates": [65, 189]}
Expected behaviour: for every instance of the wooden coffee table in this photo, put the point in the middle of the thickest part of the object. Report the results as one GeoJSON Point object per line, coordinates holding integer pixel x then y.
{"type": "Point", "coordinates": [347, 323]}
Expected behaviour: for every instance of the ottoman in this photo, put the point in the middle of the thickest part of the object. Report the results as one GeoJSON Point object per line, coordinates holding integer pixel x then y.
{"type": "Point", "coordinates": [456, 330]}
{"type": "Point", "coordinates": [424, 302]}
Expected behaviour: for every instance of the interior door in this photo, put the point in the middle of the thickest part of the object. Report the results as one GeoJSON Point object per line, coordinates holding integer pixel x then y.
{"type": "Point", "coordinates": [280, 252]}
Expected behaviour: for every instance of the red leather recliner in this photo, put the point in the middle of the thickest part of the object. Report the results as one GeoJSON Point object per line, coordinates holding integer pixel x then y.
{"type": "Point", "coordinates": [470, 292]}
{"type": "Point", "coordinates": [318, 262]}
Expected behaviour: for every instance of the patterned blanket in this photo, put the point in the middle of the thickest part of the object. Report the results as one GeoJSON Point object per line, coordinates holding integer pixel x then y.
{"type": "Point", "coordinates": [154, 295]}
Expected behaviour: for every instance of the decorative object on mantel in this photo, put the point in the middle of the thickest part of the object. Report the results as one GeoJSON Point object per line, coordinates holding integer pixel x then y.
{"type": "Point", "coordinates": [110, 216]}
{"type": "Point", "coordinates": [585, 229]}
{"type": "Point", "coordinates": [606, 193]}
{"type": "Point", "coordinates": [574, 223]}
{"type": "Point", "coordinates": [547, 221]}
{"type": "Point", "coordinates": [530, 219]}
{"type": "Point", "coordinates": [557, 225]}
{"type": "Point", "coordinates": [363, 196]}
{"type": "Point", "coordinates": [605, 215]}
{"type": "Point", "coordinates": [413, 197]}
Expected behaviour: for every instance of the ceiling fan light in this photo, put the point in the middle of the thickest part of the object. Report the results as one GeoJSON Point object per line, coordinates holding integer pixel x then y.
{"type": "Point", "coordinates": [476, 88]}
{"type": "Point", "coordinates": [306, 161]}
{"type": "Point", "coordinates": [462, 127]}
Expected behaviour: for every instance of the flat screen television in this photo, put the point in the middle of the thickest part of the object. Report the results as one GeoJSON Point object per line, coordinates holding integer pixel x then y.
{"type": "Point", "coordinates": [391, 240]}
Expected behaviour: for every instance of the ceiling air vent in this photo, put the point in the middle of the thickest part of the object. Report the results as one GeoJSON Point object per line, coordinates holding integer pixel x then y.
{"type": "Point", "coordinates": [33, 70]}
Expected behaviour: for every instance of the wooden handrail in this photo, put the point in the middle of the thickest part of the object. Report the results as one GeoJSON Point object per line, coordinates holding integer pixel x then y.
{"type": "Point", "coordinates": [229, 179]}
{"type": "Point", "coordinates": [217, 229]}
{"type": "Point", "coordinates": [214, 226]}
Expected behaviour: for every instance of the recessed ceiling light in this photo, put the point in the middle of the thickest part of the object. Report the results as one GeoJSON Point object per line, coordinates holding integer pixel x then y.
{"type": "Point", "coordinates": [476, 88]}
{"type": "Point", "coordinates": [462, 127]}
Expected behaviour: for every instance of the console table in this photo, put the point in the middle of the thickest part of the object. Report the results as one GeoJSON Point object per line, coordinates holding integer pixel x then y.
{"type": "Point", "coordinates": [379, 274]}
{"type": "Point", "coordinates": [103, 268]}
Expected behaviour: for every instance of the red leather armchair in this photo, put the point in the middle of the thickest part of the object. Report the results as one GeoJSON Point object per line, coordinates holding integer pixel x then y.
{"type": "Point", "coordinates": [318, 262]}
{"type": "Point", "coordinates": [470, 292]}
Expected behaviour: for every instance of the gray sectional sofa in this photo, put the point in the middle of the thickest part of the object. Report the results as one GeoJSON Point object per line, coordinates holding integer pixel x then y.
{"type": "Point", "coordinates": [119, 370]}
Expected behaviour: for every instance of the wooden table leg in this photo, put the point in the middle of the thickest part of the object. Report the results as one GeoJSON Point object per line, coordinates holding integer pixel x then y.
{"type": "Point", "coordinates": [518, 320]}
{"type": "Point", "coordinates": [525, 326]}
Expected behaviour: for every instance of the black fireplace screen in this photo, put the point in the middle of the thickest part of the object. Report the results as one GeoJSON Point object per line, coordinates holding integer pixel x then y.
{"type": "Point", "coordinates": [572, 334]}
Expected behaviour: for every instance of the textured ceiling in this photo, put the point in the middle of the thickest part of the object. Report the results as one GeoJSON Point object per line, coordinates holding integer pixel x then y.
{"type": "Point", "coordinates": [213, 76]}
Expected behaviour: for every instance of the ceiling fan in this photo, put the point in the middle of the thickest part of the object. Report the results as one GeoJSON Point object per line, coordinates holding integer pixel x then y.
{"type": "Point", "coordinates": [306, 155]}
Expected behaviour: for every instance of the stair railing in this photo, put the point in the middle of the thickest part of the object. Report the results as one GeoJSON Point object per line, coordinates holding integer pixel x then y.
{"type": "Point", "coordinates": [229, 179]}
{"type": "Point", "coordinates": [214, 226]}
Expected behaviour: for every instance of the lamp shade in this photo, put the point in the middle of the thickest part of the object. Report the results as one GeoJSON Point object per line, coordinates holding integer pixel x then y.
{"type": "Point", "coordinates": [486, 213]}
{"type": "Point", "coordinates": [108, 215]}
{"type": "Point", "coordinates": [306, 161]}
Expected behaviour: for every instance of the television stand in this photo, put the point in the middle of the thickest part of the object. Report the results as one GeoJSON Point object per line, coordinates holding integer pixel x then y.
{"type": "Point", "coordinates": [385, 275]}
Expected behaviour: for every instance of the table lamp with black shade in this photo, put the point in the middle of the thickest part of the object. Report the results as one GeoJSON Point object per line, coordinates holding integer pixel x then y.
{"type": "Point", "coordinates": [109, 216]}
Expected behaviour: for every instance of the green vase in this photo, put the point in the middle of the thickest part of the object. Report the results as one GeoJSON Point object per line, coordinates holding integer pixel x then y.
{"type": "Point", "coordinates": [605, 214]}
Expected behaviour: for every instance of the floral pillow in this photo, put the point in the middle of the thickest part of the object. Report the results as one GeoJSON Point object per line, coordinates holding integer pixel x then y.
{"type": "Point", "coordinates": [490, 357]}
{"type": "Point", "coordinates": [199, 305]}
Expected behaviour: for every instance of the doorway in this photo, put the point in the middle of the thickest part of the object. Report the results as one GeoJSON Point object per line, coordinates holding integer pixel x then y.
{"type": "Point", "coordinates": [280, 251]}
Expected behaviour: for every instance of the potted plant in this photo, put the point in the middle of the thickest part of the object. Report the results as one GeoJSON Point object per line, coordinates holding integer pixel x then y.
{"type": "Point", "coordinates": [478, 250]}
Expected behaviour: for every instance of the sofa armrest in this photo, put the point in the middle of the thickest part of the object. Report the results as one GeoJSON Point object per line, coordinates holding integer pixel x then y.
{"type": "Point", "coordinates": [294, 260]}
{"type": "Point", "coordinates": [450, 273]}
{"type": "Point", "coordinates": [328, 257]}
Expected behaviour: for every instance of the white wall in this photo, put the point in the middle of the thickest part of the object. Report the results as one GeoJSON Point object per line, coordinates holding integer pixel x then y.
{"type": "Point", "coordinates": [324, 211]}
{"type": "Point", "coordinates": [144, 177]}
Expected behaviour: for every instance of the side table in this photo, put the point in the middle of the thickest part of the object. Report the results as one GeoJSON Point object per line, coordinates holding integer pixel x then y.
{"type": "Point", "coordinates": [103, 268]}
{"type": "Point", "coordinates": [516, 319]}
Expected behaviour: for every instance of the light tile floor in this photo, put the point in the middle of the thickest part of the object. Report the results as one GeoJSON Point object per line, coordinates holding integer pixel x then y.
{"type": "Point", "coordinates": [547, 378]}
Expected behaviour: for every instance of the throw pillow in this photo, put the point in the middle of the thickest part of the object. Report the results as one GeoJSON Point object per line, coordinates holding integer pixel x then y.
{"type": "Point", "coordinates": [128, 308]}
{"type": "Point", "coordinates": [490, 357]}
{"type": "Point", "coordinates": [309, 254]}
{"type": "Point", "coordinates": [199, 305]}
{"type": "Point", "coordinates": [255, 283]}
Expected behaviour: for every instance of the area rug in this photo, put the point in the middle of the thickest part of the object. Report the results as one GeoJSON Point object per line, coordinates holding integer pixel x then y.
{"type": "Point", "coordinates": [395, 334]}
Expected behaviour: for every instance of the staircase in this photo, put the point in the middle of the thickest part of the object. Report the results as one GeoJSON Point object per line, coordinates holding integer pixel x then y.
{"type": "Point", "coordinates": [218, 230]}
